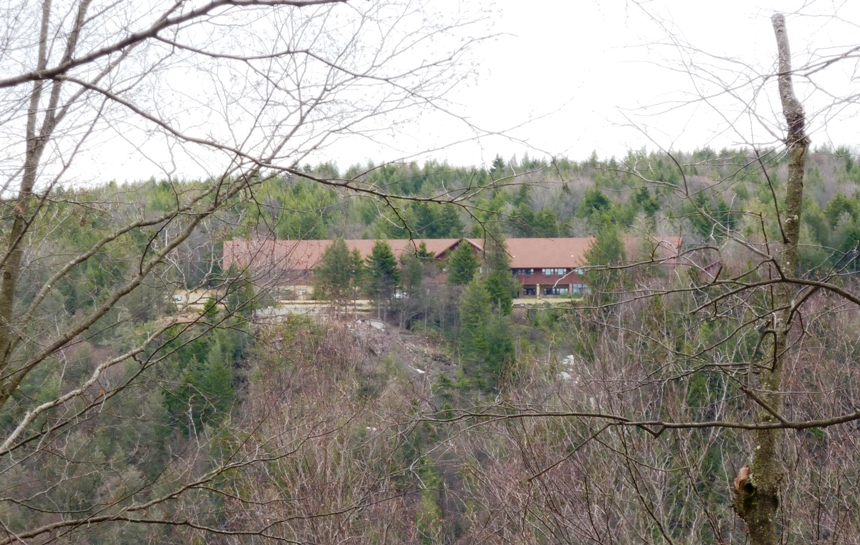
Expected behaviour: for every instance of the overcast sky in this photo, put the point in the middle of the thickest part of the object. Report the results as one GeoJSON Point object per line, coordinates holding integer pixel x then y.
{"type": "Point", "coordinates": [565, 78]}
{"type": "Point", "coordinates": [577, 77]}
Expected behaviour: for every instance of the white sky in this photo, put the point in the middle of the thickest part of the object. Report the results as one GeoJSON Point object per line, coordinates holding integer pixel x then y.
{"type": "Point", "coordinates": [574, 75]}
{"type": "Point", "coordinates": [571, 77]}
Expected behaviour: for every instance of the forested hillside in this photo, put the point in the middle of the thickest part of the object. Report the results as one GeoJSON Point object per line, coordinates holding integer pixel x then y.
{"type": "Point", "coordinates": [463, 420]}
{"type": "Point", "coordinates": [696, 381]}
{"type": "Point", "coordinates": [565, 198]}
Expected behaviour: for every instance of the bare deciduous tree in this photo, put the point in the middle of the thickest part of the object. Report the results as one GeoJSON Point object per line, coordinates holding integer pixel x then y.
{"type": "Point", "coordinates": [238, 90]}
{"type": "Point", "coordinates": [683, 379]}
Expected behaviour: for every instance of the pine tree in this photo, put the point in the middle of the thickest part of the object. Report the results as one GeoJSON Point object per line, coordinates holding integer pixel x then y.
{"type": "Point", "coordinates": [475, 310]}
{"type": "Point", "coordinates": [486, 343]}
{"type": "Point", "coordinates": [450, 224]}
{"type": "Point", "coordinates": [499, 287]}
{"type": "Point", "coordinates": [333, 275]}
{"type": "Point", "coordinates": [423, 253]}
{"type": "Point", "coordinates": [357, 272]}
{"type": "Point", "coordinates": [412, 273]}
{"type": "Point", "coordinates": [240, 296]}
{"type": "Point", "coordinates": [498, 168]}
{"type": "Point", "coordinates": [216, 383]}
{"type": "Point", "coordinates": [605, 252]}
{"type": "Point", "coordinates": [462, 264]}
{"type": "Point", "coordinates": [501, 284]}
{"type": "Point", "coordinates": [383, 274]}
{"type": "Point", "coordinates": [607, 248]}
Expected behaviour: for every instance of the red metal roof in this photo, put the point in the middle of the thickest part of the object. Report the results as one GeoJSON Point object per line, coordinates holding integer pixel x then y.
{"type": "Point", "coordinates": [536, 253]}
{"type": "Point", "coordinates": [302, 255]}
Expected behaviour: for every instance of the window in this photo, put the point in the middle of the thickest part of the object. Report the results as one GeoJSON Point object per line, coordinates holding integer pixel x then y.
{"type": "Point", "coordinates": [554, 272]}
{"type": "Point", "coordinates": [580, 288]}
{"type": "Point", "coordinates": [529, 291]}
{"type": "Point", "coordinates": [555, 291]}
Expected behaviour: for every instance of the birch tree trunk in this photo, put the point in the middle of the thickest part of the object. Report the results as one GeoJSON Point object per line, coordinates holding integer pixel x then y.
{"type": "Point", "coordinates": [757, 499]}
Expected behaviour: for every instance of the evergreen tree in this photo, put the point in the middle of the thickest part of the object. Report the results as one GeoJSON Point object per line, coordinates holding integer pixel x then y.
{"type": "Point", "coordinates": [205, 393]}
{"type": "Point", "coordinates": [357, 272]}
{"type": "Point", "coordinates": [210, 308]}
{"type": "Point", "coordinates": [487, 210]}
{"type": "Point", "coordinates": [412, 276]}
{"type": "Point", "coordinates": [522, 221]}
{"type": "Point", "coordinates": [383, 275]}
{"type": "Point", "coordinates": [594, 202]}
{"type": "Point", "coordinates": [499, 287]}
{"type": "Point", "coordinates": [450, 225]}
{"type": "Point", "coordinates": [334, 273]}
{"type": "Point", "coordinates": [522, 195]}
{"type": "Point", "coordinates": [840, 205]}
{"type": "Point", "coordinates": [486, 343]}
{"type": "Point", "coordinates": [643, 200]}
{"type": "Point", "coordinates": [605, 252]}
{"type": "Point", "coordinates": [498, 168]}
{"type": "Point", "coordinates": [500, 356]}
{"type": "Point", "coordinates": [501, 284]}
{"type": "Point", "coordinates": [607, 248]}
{"type": "Point", "coordinates": [412, 272]}
{"type": "Point", "coordinates": [216, 384]}
{"type": "Point", "coordinates": [423, 253]}
{"type": "Point", "coordinates": [240, 296]}
{"type": "Point", "coordinates": [525, 223]}
{"type": "Point", "coordinates": [475, 310]}
{"type": "Point", "coordinates": [426, 222]}
{"type": "Point", "coordinates": [462, 264]}
{"type": "Point", "coordinates": [710, 217]}
{"type": "Point", "coordinates": [546, 223]}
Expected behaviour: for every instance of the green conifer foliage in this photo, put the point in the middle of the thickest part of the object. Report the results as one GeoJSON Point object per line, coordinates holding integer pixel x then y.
{"type": "Point", "coordinates": [412, 273]}
{"type": "Point", "coordinates": [240, 296]}
{"type": "Point", "coordinates": [357, 272]}
{"type": "Point", "coordinates": [383, 276]}
{"type": "Point", "coordinates": [606, 252]}
{"type": "Point", "coordinates": [462, 264]}
{"type": "Point", "coordinates": [500, 283]}
{"type": "Point", "coordinates": [607, 249]}
{"type": "Point", "coordinates": [475, 310]}
{"type": "Point", "coordinates": [486, 343]}
{"type": "Point", "coordinates": [334, 274]}
{"type": "Point", "coordinates": [499, 287]}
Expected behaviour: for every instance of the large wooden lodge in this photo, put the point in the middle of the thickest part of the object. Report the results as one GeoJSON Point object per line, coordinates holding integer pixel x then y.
{"type": "Point", "coordinates": [542, 266]}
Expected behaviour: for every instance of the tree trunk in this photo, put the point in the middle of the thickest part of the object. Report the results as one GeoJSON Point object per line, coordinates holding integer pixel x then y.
{"type": "Point", "coordinates": [757, 499]}
{"type": "Point", "coordinates": [37, 135]}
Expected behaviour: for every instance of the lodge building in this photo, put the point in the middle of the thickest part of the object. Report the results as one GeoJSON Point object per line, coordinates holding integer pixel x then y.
{"type": "Point", "coordinates": [542, 266]}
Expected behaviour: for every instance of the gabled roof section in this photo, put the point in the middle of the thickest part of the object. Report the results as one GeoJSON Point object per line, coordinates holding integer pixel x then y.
{"type": "Point", "coordinates": [526, 253]}
{"type": "Point", "coordinates": [300, 255]}
{"type": "Point", "coordinates": [538, 253]}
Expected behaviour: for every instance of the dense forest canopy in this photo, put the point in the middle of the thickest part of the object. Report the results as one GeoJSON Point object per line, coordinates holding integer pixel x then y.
{"type": "Point", "coordinates": [562, 198]}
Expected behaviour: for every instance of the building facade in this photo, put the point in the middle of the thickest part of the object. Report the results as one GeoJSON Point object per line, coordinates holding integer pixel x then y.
{"type": "Point", "coordinates": [544, 267]}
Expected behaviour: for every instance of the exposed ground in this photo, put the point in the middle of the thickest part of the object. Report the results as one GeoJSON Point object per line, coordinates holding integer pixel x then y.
{"type": "Point", "coordinates": [422, 357]}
